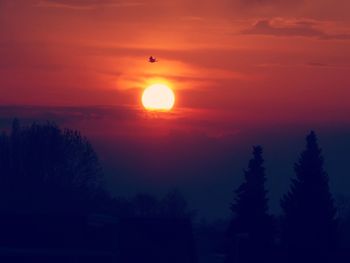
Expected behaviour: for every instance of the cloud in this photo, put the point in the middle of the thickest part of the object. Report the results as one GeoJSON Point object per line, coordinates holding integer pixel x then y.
{"type": "Point", "coordinates": [66, 115]}
{"type": "Point", "coordinates": [270, 2]}
{"type": "Point", "coordinates": [317, 64]}
{"type": "Point", "coordinates": [336, 37]}
{"type": "Point", "coordinates": [266, 7]}
{"type": "Point", "coordinates": [265, 27]}
{"type": "Point", "coordinates": [292, 29]}
{"type": "Point", "coordinates": [85, 4]}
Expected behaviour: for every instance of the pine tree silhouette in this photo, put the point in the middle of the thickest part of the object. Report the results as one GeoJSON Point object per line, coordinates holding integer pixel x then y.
{"type": "Point", "coordinates": [309, 222]}
{"type": "Point", "coordinates": [251, 229]}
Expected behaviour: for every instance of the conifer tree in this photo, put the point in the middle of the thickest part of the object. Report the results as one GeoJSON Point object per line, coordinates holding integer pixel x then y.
{"type": "Point", "coordinates": [309, 222]}
{"type": "Point", "coordinates": [251, 228]}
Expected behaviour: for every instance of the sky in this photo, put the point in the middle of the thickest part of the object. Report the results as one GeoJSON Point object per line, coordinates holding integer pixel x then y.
{"type": "Point", "coordinates": [244, 72]}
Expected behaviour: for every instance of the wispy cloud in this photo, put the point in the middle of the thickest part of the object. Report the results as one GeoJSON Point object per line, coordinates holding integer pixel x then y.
{"type": "Point", "coordinates": [270, 2]}
{"type": "Point", "coordinates": [292, 29]}
{"type": "Point", "coordinates": [66, 115]}
{"type": "Point", "coordinates": [85, 4]}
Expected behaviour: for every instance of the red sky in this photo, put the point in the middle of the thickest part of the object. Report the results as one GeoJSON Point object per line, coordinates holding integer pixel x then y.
{"type": "Point", "coordinates": [280, 56]}
{"type": "Point", "coordinates": [235, 65]}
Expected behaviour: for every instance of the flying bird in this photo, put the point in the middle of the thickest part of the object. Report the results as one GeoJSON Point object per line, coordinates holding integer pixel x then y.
{"type": "Point", "coordinates": [152, 59]}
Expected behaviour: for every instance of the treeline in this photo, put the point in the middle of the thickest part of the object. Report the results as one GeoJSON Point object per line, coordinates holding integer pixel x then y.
{"type": "Point", "coordinates": [44, 169]}
{"type": "Point", "coordinates": [307, 231]}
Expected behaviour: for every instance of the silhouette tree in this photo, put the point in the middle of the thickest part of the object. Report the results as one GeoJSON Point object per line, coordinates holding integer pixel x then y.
{"type": "Point", "coordinates": [160, 230]}
{"type": "Point", "coordinates": [174, 205]}
{"type": "Point", "coordinates": [145, 206]}
{"type": "Point", "coordinates": [251, 229]}
{"type": "Point", "coordinates": [44, 168]}
{"type": "Point", "coordinates": [309, 223]}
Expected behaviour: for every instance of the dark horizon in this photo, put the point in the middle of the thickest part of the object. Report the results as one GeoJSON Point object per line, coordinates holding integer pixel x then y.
{"type": "Point", "coordinates": [54, 204]}
{"type": "Point", "coordinates": [215, 164]}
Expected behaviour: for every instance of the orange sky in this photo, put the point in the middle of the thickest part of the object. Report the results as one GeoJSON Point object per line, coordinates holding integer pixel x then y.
{"type": "Point", "coordinates": [239, 60]}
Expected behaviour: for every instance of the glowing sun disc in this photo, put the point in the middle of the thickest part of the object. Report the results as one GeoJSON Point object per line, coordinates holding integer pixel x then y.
{"type": "Point", "coordinates": [158, 97]}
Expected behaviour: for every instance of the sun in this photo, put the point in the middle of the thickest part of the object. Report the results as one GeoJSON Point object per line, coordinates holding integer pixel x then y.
{"type": "Point", "coordinates": [158, 97]}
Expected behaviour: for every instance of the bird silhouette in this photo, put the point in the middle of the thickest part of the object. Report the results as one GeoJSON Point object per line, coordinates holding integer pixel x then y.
{"type": "Point", "coordinates": [152, 59]}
